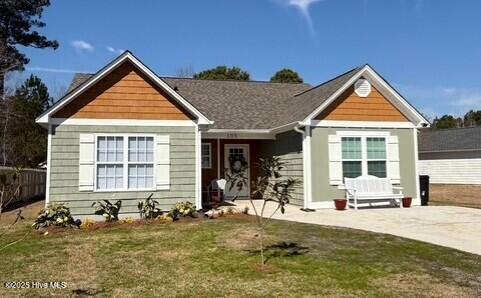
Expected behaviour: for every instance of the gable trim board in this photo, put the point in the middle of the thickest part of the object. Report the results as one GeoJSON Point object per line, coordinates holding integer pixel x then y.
{"type": "Point", "coordinates": [126, 56]}
{"type": "Point", "coordinates": [361, 124]}
{"type": "Point", "coordinates": [384, 88]}
{"type": "Point", "coordinates": [120, 122]}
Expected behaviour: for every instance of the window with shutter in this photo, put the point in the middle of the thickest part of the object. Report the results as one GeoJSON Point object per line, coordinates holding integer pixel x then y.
{"type": "Point", "coordinates": [124, 162]}
{"type": "Point", "coordinates": [353, 154]}
{"type": "Point", "coordinates": [163, 162]}
{"type": "Point", "coordinates": [86, 162]}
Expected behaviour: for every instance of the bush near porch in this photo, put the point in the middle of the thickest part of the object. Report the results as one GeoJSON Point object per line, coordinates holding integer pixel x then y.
{"type": "Point", "coordinates": [218, 258]}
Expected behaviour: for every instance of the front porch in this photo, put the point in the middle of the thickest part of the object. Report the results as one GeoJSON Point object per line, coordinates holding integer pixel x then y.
{"type": "Point", "coordinates": [218, 156]}
{"type": "Point", "coordinates": [222, 153]}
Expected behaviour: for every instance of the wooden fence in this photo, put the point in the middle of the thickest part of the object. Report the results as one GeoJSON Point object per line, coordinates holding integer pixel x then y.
{"type": "Point", "coordinates": [32, 181]}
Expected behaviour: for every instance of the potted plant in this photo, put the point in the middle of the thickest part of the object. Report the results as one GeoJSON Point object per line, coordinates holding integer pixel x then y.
{"type": "Point", "coordinates": [340, 204]}
{"type": "Point", "coordinates": [407, 202]}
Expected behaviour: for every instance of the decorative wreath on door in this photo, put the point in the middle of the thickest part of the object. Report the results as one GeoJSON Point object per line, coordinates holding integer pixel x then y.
{"type": "Point", "coordinates": [236, 174]}
{"type": "Point", "coordinates": [237, 164]}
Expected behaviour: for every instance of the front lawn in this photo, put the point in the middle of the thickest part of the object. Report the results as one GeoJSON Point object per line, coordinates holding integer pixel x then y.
{"type": "Point", "coordinates": [217, 258]}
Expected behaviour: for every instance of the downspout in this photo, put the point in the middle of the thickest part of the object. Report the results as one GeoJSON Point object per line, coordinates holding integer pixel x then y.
{"type": "Point", "coordinates": [306, 166]}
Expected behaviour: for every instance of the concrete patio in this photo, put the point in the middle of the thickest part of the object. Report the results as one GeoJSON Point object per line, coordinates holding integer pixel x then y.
{"type": "Point", "coordinates": [455, 227]}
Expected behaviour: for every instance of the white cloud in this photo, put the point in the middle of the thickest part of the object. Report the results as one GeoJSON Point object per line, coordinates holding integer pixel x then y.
{"type": "Point", "coordinates": [470, 101]}
{"type": "Point", "coordinates": [303, 7]}
{"type": "Point", "coordinates": [81, 46]}
{"type": "Point", "coordinates": [54, 70]}
{"type": "Point", "coordinates": [114, 50]}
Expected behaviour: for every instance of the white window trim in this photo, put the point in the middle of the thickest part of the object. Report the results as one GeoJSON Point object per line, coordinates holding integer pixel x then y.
{"type": "Point", "coordinates": [125, 162]}
{"type": "Point", "coordinates": [364, 135]}
{"type": "Point", "coordinates": [210, 155]}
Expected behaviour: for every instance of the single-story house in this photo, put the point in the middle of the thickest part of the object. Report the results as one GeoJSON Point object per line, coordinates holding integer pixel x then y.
{"type": "Point", "coordinates": [124, 133]}
{"type": "Point", "coordinates": [451, 156]}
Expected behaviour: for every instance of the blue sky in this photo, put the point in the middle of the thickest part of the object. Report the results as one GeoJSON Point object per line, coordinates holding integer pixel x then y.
{"type": "Point", "coordinates": [430, 50]}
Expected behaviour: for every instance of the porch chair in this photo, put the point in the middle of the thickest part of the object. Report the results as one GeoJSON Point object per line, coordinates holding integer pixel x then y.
{"type": "Point", "coordinates": [215, 191]}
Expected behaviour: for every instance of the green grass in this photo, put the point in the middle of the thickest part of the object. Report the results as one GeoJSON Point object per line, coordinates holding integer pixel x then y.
{"type": "Point", "coordinates": [219, 258]}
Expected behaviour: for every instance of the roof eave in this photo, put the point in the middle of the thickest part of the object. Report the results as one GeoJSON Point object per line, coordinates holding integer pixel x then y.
{"type": "Point", "coordinates": [126, 56]}
{"type": "Point", "coordinates": [415, 117]}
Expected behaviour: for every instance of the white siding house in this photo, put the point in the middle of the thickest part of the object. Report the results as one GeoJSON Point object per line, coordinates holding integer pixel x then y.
{"type": "Point", "coordinates": [451, 156]}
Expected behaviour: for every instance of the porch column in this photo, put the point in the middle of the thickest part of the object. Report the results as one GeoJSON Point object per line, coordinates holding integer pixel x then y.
{"type": "Point", "coordinates": [49, 164]}
{"type": "Point", "coordinates": [198, 169]}
{"type": "Point", "coordinates": [218, 165]}
{"type": "Point", "coordinates": [307, 173]}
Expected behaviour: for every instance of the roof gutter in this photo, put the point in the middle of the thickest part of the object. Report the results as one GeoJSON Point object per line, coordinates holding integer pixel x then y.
{"type": "Point", "coordinates": [301, 131]}
{"type": "Point", "coordinates": [306, 162]}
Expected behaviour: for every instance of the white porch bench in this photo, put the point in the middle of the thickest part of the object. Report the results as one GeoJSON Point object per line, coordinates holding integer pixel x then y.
{"type": "Point", "coordinates": [369, 189]}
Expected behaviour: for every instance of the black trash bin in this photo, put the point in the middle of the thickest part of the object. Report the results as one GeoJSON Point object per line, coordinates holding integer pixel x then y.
{"type": "Point", "coordinates": [424, 188]}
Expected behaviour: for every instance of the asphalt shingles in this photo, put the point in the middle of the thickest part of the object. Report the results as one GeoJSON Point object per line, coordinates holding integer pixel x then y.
{"type": "Point", "coordinates": [249, 104]}
{"type": "Point", "coordinates": [468, 138]}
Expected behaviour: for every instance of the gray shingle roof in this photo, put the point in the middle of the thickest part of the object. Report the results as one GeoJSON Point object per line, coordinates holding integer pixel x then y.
{"type": "Point", "coordinates": [299, 107]}
{"type": "Point", "coordinates": [237, 104]}
{"type": "Point", "coordinates": [468, 138]}
{"type": "Point", "coordinates": [249, 104]}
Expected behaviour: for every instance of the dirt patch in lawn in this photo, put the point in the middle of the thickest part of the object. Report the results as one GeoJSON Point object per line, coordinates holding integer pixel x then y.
{"type": "Point", "coordinates": [244, 238]}
{"type": "Point", "coordinates": [457, 195]}
{"type": "Point", "coordinates": [422, 285]}
{"type": "Point", "coordinates": [29, 212]}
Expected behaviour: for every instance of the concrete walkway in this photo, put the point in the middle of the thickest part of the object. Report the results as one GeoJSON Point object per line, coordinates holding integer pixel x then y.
{"type": "Point", "coordinates": [455, 227]}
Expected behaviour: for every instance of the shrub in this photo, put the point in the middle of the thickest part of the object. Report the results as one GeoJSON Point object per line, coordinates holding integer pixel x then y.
{"type": "Point", "coordinates": [55, 215]}
{"type": "Point", "coordinates": [128, 220]}
{"type": "Point", "coordinates": [148, 209]}
{"type": "Point", "coordinates": [108, 210]}
{"type": "Point", "coordinates": [245, 210]}
{"type": "Point", "coordinates": [182, 209]}
{"type": "Point", "coordinates": [230, 210]}
{"type": "Point", "coordinates": [165, 218]}
{"type": "Point", "coordinates": [87, 223]}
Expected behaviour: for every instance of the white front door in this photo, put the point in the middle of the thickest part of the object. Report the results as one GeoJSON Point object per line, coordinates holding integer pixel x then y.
{"type": "Point", "coordinates": [237, 167]}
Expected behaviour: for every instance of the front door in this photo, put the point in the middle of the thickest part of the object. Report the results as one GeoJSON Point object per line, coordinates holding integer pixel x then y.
{"type": "Point", "coordinates": [236, 163]}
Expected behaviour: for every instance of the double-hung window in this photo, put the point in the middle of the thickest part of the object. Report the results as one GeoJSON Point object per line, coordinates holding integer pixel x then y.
{"type": "Point", "coordinates": [141, 162]}
{"type": "Point", "coordinates": [110, 166]}
{"type": "Point", "coordinates": [351, 157]}
{"type": "Point", "coordinates": [364, 156]}
{"type": "Point", "coordinates": [376, 157]}
{"type": "Point", "coordinates": [125, 162]}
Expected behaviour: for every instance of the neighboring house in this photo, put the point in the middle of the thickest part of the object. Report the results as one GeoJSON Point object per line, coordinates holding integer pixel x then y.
{"type": "Point", "coordinates": [124, 133]}
{"type": "Point", "coordinates": [451, 156]}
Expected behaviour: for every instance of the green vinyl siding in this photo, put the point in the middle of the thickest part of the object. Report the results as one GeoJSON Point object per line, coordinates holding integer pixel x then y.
{"type": "Point", "coordinates": [64, 184]}
{"type": "Point", "coordinates": [323, 191]}
{"type": "Point", "coordinates": [288, 146]}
